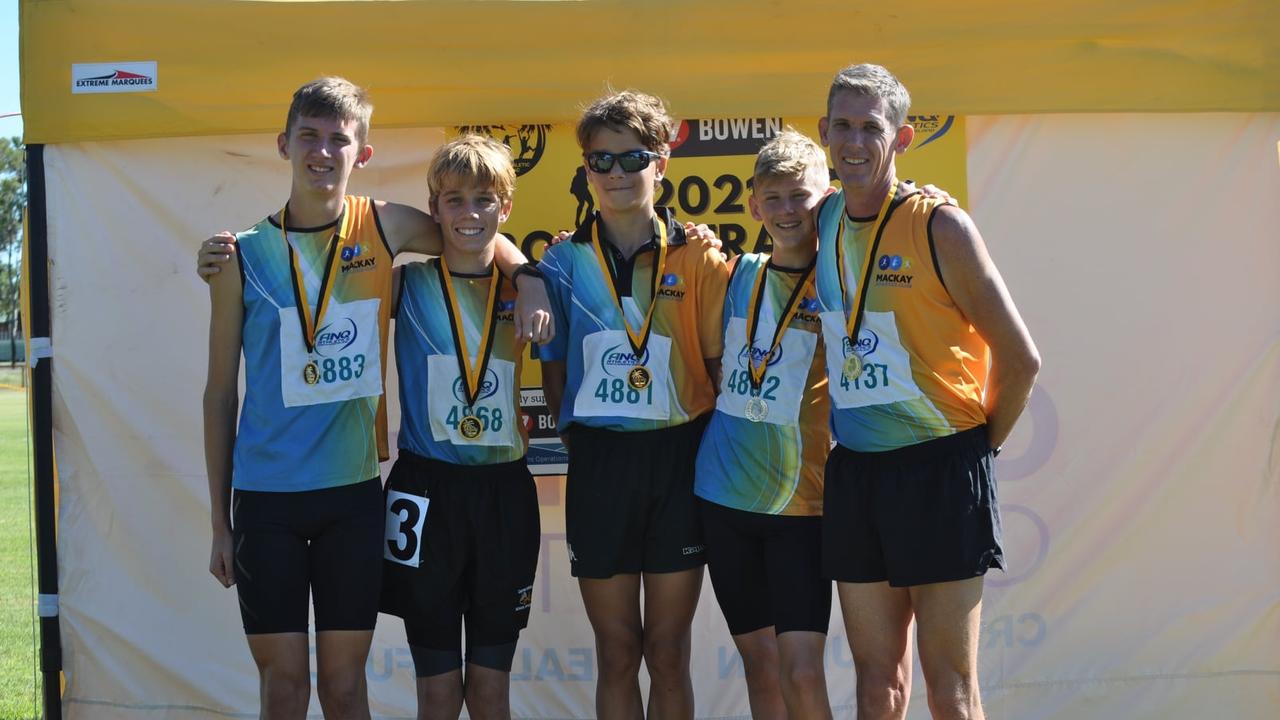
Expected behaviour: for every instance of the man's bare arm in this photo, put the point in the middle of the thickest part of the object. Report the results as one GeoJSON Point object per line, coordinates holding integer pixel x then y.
{"type": "Point", "coordinates": [980, 293]}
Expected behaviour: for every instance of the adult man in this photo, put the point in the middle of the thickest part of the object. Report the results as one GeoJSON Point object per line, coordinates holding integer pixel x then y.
{"type": "Point", "coordinates": [929, 366]}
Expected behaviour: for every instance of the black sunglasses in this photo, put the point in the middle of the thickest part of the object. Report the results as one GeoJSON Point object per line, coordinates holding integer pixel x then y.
{"type": "Point", "coordinates": [631, 161]}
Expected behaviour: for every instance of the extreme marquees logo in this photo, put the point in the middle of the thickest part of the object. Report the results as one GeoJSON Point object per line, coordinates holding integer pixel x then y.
{"type": "Point", "coordinates": [124, 77]}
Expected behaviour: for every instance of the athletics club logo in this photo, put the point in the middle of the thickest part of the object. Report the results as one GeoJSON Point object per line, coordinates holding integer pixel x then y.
{"type": "Point", "coordinates": [526, 142]}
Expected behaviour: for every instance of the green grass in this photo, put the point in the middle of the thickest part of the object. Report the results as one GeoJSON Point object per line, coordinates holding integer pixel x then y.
{"type": "Point", "coordinates": [18, 698]}
{"type": "Point", "coordinates": [11, 375]}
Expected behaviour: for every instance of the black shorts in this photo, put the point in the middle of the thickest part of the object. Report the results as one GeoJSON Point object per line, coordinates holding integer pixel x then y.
{"type": "Point", "coordinates": [629, 504]}
{"type": "Point", "coordinates": [475, 551]}
{"type": "Point", "coordinates": [921, 514]}
{"type": "Point", "coordinates": [328, 542]}
{"type": "Point", "coordinates": [766, 569]}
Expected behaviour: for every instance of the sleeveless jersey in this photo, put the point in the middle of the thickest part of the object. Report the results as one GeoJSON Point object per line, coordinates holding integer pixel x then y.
{"type": "Point", "coordinates": [925, 367]}
{"type": "Point", "coordinates": [592, 340]}
{"type": "Point", "coordinates": [775, 466]}
{"type": "Point", "coordinates": [295, 435]}
{"type": "Point", "coordinates": [433, 394]}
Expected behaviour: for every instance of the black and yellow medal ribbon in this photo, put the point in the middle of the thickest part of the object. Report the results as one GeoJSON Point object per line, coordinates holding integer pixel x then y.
{"type": "Point", "coordinates": [472, 374]}
{"type": "Point", "coordinates": [853, 321]}
{"type": "Point", "coordinates": [639, 377]}
{"type": "Point", "coordinates": [788, 313]}
{"type": "Point", "coordinates": [309, 321]}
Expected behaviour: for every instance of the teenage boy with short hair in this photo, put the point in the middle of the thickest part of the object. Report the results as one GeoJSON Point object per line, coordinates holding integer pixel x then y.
{"type": "Point", "coordinates": [309, 308]}
{"type": "Point", "coordinates": [759, 472]}
{"type": "Point", "coordinates": [631, 379]}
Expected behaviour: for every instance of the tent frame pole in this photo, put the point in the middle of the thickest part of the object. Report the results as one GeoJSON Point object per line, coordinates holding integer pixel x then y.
{"type": "Point", "coordinates": [42, 437]}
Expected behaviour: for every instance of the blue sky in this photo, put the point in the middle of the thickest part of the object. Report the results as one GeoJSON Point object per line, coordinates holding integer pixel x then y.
{"type": "Point", "coordinates": [9, 82]}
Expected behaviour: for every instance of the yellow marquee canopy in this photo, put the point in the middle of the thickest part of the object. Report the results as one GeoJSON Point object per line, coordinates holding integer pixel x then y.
{"type": "Point", "coordinates": [228, 66]}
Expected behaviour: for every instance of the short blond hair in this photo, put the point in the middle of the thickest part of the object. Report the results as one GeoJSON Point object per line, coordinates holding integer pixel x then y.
{"type": "Point", "coordinates": [333, 98]}
{"type": "Point", "coordinates": [473, 159]}
{"type": "Point", "coordinates": [874, 81]}
{"type": "Point", "coordinates": [644, 114]}
{"type": "Point", "coordinates": [791, 155]}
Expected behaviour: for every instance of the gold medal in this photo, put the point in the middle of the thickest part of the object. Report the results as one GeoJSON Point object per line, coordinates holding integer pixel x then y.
{"type": "Point", "coordinates": [308, 320]}
{"type": "Point", "coordinates": [638, 378]}
{"type": "Point", "coordinates": [470, 427]}
{"type": "Point", "coordinates": [852, 367]}
{"type": "Point", "coordinates": [472, 374]}
{"type": "Point", "coordinates": [756, 410]}
{"type": "Point", "coordinates": [853, 321]}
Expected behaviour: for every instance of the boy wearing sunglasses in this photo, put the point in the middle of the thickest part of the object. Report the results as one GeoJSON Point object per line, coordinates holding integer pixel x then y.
{"type": "Point", "coordinates": [759, 471]}
{"type": "Point", "coordinates": [631, 379]}
{"type": "Point", "coordinates": [463, 546]}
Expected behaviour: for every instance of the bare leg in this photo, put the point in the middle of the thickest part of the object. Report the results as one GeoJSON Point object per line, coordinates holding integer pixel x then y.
{"type": "Point", "coordinates": [340, 682]}
{"type": "Point", "coordinates": [670, 600]}
{"type": "Point", "coordinates": [877, 619]}
{"type": "Point", "coordinates": [613, 608]}
{"type": "Point", "coordinates": [949, 616]}
{"type": "Point", "coordinates": [284, 675]}
{"type": "Point", "coordinates": [759, 650]}
{"type": "Point", "coordinates": [803, 681]}
{"type": "Point", "coordinates": [440, 696]}
{"type": "Point", "coordinates": [488, 693]}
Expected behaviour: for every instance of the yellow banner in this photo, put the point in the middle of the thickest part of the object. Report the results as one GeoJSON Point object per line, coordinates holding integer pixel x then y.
{"type": "Point", "coordinates": [117, 69]}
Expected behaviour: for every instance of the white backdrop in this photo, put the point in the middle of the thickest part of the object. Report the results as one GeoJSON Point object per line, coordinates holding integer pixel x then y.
{"type": "Point", "coordinates": [1139, 494]}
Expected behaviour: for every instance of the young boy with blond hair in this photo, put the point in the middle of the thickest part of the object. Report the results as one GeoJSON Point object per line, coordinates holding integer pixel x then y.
{"type": "Point", "coordinates": [463, 547]}
{"type": "Point", "coordinates": [759, 469]}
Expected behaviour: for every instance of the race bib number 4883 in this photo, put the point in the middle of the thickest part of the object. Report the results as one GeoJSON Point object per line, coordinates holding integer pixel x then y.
{"type": "Point", "coordinates": [348, 357]}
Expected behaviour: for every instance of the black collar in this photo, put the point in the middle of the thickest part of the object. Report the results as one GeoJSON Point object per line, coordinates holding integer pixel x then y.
{"type": "Point", "coordinates": [675, 231]}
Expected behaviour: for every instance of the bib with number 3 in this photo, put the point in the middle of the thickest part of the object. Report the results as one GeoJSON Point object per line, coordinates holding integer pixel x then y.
{"type": "Point", "coordinates": [886, 367]}
{"type": "Point", "coordinates": [494, 408]}
{"type": "Point", "coordinates": [784, 382]}
{"type": "Point", "coordinates": [606, 360]}
{"type": "Point", "coordinates": [348, 355]}
{"type": "Point", "coordinates": [406, 514]}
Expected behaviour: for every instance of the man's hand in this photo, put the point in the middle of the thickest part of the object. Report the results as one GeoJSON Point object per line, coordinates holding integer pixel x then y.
{"type": "Point", "coordinates": [213, 252]}
{"type": "Point", "coordinates": [933, 191]}
{"type": "Point", "coordinates": [533, 319]}
{"type": "Point", "coordinates": [704, 233]}
{"type": "Point", "coordinates": [220, 563]}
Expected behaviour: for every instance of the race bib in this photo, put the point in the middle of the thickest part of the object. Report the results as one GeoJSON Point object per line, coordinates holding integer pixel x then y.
{"type": "Point", "coordinates": [348, 359]}
{"type": "Point", "coordinates": [406, 514]}
{"type": "Point", "coordinates": [784, 380]}
{"type": "Point", "coordinates": [886, 367]}
{"type": "Point", "coordinates": [493, 409]}
{"type": "Point", "coordinates": [606, 361]}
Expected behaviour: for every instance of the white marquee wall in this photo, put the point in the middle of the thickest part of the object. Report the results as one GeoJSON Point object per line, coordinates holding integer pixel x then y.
{"type": "Point", "coordinates": [1139, 495]}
